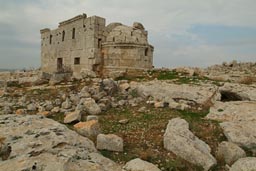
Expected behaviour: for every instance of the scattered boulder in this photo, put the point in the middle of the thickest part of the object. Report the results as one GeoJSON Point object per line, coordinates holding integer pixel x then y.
{"type": "Point", "coordinates": [192, 149]}
{"type": "Point", "coordinates": [109, 86]}
{"type": "Point", "coordinates": [55, 110]}
{"type": "Point", "coordinates": [73, 116]}
{"type": "Point", "coordinates": [31, 107]}
{"type": "Point", "coordinates": [124, 86]}
{"type": "Point", "coordinates": [139, 165]}
{"type": "Point", "coordinates": [242, 133]}
{"type": "Point", "coordinates": [67, 104]}
{"type": "Point", "coordinates": [229, 152]}
{"type": "Point", "coordinates": [109, 142]}
{"type": "Point", "coordinates": [91, 107]}
{"type": "Point", "coordinates": [244, 164]}
{"type": "Point", "coordinates": [88, 129]}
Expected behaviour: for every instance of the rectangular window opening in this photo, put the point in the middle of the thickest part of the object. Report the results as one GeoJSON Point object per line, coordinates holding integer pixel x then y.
{"type": "Point", "coordinates": [99, 43]}
{"type": "Point", "coordinates": [77, 61]}
{"type": "Point", "coordinates": [73, 33]}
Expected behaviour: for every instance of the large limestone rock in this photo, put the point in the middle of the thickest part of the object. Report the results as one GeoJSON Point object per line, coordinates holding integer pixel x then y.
{"type": "Point", "coordinates": [244, 164]}
{"type": "Point", "coordinates": [244, 92]}
{"type": "Point", "coordinates": [38, 143]}
{"type": "Point", "coordinates": [109, 142]}
{"type": "Point", "coordinates": [166, 92]}
{"type": "Point", "coordinates": [242, 133]}
{"type": "Point", "coordinates": [179, 140]}
{"type": "Point", "coordinates": [238, 121]}
{"type": "Point", "coordinates": [139, 165]}
{"type": "Point", "coordinates": [88, 129]}
{"type": "Point", "coordinates": [233, 111]}
{"type": "Point", "coordinates": [229, 152]}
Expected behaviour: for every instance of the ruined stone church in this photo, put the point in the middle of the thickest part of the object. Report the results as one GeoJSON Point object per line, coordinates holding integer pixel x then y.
{"type": "Point", "coordinates": [86, 43]}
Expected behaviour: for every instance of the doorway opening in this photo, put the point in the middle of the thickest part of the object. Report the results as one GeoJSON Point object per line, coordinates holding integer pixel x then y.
{"type": "Point", "coordinates": [59, 64]}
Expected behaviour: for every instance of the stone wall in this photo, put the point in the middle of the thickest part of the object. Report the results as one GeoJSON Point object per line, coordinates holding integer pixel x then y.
{"type": "Point", "coordinates": [77, 49]}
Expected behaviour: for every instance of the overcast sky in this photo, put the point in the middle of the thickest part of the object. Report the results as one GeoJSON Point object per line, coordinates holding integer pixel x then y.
{"type": "Point", "coordinates": [183, 32]}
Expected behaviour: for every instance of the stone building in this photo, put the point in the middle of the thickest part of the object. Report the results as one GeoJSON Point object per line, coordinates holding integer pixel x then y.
{"type": "Point", "coordinates": [86, 44]}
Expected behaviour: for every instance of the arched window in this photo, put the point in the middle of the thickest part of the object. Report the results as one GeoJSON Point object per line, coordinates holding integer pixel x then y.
{"type": "Point", "coordinates": [73, 33]}
{"type": "Point", "coordinates": [50, 39]}
{"type": "Point", "coordinates": [63, 35]}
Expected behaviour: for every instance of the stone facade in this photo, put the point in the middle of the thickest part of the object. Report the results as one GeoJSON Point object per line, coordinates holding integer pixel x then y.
{"type": "Point", "coordinates": [86, 43]}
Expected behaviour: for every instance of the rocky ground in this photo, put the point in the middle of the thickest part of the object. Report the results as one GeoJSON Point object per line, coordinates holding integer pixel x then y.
{"type": "Point", "coordinates": [163, 119]}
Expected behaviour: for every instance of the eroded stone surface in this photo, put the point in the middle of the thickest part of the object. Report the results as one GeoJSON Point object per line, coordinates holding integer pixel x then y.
{"type": "Point", "coordinates": [38, 143]}
{"type": "Point", "coordinates": [244, 164]}
{"type": "Point", "coordinates": [238, 121]}
{"type": "Point", "coordinates": [233, 111]}
{"type": "Point", "coordinates": [109, 142]}
{"type": "Point", "coordinates": [166, 92]}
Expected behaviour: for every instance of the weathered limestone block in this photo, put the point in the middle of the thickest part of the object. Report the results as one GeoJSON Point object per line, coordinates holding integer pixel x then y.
{"type": "Point", "coordinates": [229, 152]}
{"type": "Point", "coordinates": [109, 142]}
{"type": "Point", "coordinates": [91, 107]}
{"type": "Point", "coordinates": [244, 164]}
{"type": "Point", "coordinates": [166, 92]}
{"type": "Point", "coordinates": [88, 129]}
{"type": "Point", "coordinates": [179, 140]}
{"type": "Point", "coordinates": [139, 165]}
{"type": "Point", "coordinates": [233, 111]}
{"type": "Point", "coordinates": [73, 116]}
{"type": "Point", "coordinates": [67, 104]}
{"type": "Point", "coordinates": [239, 121]}
{"type": "Point", "coordinates": [242, 133]}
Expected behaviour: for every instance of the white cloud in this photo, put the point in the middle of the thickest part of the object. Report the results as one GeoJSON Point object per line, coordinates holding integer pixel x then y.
{"type": "Point", "coordinates": [166, 18]}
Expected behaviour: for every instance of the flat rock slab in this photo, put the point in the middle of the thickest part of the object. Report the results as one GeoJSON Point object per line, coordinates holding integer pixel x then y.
{"type": "Point", "coordinates": [238, 121]}
{"type": "Point", "coordinates": [43, 144]}
{"type": "Point", "coordinates": [182, 142]}
{"type": "Point", "coordinates": [233, 111]}
{"type": "Point", "coordinates": [164, 91]}
{"type": "Point", "coordinates": [244, 164]}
